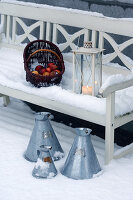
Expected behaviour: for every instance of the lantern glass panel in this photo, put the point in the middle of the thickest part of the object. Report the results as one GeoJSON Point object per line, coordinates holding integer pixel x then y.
{"type": "Point", "coordinates": [78, 75]}
{"type": "Point", "coordinates": [98, 72]}
{"type": "Point", "coordinates": [87, 78]}
{"type": "Point", "coordinates": [87, 71]}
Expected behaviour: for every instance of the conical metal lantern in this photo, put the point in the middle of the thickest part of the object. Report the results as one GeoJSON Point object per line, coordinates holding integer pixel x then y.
{"type": "Point", "coordinates": [44, 168]}
{"type": "Point", "coordinates": [43, 134]}
{"type": "Point", "coordinates": [81, 162]}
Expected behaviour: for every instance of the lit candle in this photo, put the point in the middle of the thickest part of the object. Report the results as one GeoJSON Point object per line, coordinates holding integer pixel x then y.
{"type": "Point", "coordinates": [87, 90]}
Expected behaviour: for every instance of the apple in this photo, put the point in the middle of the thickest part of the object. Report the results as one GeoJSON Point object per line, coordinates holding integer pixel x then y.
{"type": "Point", "coordinates": [53, 67]}
{"type": "Point", "coordinates": [38, 68]}
{"type": "Point", "coordinates": [35, 72]}
{"type": "Point", "coordinates": [53, 73]}
{"type": "Point", "coordinates": [50, 64]}
{"type": "Point", "coordinates": [46, 74]}
{"type": "Point", "coordinates": [57, 71]}
{"type": "Point", "coordinates": [48, 69]}
{"type": "Point", "coordinates": [41, 71]}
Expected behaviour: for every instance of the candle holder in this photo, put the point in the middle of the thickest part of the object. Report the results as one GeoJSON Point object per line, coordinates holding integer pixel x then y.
{"type": "Point", "coordinates": [87, 70]}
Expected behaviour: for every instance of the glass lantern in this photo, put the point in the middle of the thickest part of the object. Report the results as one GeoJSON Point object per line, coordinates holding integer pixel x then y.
{"type": "Point", "coordinates": [87, 70]}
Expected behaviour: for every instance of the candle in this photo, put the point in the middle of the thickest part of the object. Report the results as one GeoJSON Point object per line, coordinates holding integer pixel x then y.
{"type": "Point", "coordinates": [87, 90]}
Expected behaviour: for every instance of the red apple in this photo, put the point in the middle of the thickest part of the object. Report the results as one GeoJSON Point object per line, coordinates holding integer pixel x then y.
{"type": "Point", "coordinates": [57, 71]}
{"type": "Point", "coordinates": [53, 67]}
{"type": "Point", "coordinates": [50, 64]}
{"type": "Point", "coordinates": [38, 68]}
{"type": "Point", "coordinates": [41, 71]}
{"type": "Point", "coordinates": [48, 69]}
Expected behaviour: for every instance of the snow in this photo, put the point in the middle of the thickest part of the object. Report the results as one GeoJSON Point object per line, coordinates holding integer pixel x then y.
{"type": "Point", "coordinates": [58, 154]}
{"type": "Point", "coordinates": [42, 165]}
{"type": "Point", "coordinates": [13, 76]}
{"type": "Point", "coordinates": [114, 79]}
{"type": "Point", "coordinates": [16, 181]}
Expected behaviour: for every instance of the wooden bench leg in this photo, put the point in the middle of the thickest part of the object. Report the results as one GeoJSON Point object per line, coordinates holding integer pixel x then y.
{"type": "Point", "coordinates": [109, 131]}
{"type": "Point", "coordinates": [6, 100]}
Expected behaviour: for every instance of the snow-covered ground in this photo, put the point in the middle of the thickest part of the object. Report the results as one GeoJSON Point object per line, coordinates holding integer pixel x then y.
{"type": "Point", "coordinates": [16, 182]}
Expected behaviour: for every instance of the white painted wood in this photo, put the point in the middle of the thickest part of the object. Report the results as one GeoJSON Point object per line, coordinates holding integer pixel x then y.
{"type": "Point", "coordinates": [109, 130]}
{"type": "Point", "coordinates": [6, 100]}
{"type": "Point", "coordinates": [54, 105]}
{"type": "Point", "coordinates": [118, 51]}
{"type": "Point", "coordinates": [101, 41]}
{"type": "Point", "coordinates": [54, 33]}
{"type": "Point", "coordinates": [93, 74]}
{"type": "Point", "coordinates": [41, 37]}
{"type": "Point", "coordinates": [48, 31]}
{"type": "Point", "coordinates": [94, 38]}
{"type": "Point", "coordinates": [14, 30]}
{"type": "Point", "coordinates": [74, 65]}
{"type": "Point", "coordinates": [111, 70]}
{"type": "Point", "coordinates": [86, 35]}
{"type": "Point", "coordinates": [121, 120]}
{"type": "Point", "coordinates": [8, 28]}
{"type": "Point", "coordinates": [27, 31]}
{"type": "Point", "coordinates": [115, 87]}
{"type": "Point", "coordinates": [123, 152]}
{"type": "Point", "coordinates": [3, 22]}
{"type": "Point", "coordinates": [72, 17]}
{"type": "Point", "coordinates": [70, 38]}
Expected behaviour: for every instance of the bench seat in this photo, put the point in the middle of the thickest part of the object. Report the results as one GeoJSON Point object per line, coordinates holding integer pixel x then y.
{"type": "Point", "coordinates": [12, 75]}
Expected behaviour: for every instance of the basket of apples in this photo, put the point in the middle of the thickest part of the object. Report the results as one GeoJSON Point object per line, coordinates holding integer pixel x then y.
{"type": "Point", "coordinates": [44, 67]}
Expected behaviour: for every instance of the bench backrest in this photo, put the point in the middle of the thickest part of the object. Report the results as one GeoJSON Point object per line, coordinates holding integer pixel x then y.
{"type": "Point", "coordinates": [52, 23]}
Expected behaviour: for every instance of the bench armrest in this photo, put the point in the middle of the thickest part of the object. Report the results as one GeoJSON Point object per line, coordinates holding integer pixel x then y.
{"type": "Point", "coordinates": [120, 83]}
{"type": "Point", "coordinates": [1, 31]}
{"type": "Point", "coordinates": [1, 28]}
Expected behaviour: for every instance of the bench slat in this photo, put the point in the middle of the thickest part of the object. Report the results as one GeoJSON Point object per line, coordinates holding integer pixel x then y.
{"type": "Point", "coordinates": [73, 17]}
{"type": "Point", "coordinates": [54, 105]}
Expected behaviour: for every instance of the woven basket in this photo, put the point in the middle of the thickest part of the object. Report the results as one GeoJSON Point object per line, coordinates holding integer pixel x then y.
{"type": "Point", "coordinates": [42, 52]}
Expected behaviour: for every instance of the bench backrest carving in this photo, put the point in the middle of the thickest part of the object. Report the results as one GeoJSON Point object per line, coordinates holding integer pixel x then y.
{"type": "Point", "coordinates": [50, 23]}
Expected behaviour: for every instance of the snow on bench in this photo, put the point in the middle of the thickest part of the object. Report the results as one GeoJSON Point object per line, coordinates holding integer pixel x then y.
{"type": "Point", "coordinates": [111, 111]}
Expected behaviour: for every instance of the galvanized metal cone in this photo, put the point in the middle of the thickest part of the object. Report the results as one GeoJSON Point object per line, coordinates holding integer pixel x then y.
{"type": "Point", "coordinates": [81, 162]}
{"type": "Point", "coordinates": [43, 134]}
{"type": "Point", "coordinates": [44, 168]}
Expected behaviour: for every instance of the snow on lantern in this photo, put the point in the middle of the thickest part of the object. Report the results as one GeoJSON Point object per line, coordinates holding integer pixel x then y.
{"type": "Point", "coordinates": [87, 70]}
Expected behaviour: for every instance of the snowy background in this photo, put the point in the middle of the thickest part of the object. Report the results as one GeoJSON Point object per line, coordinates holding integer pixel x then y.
{"type": "Point", "coordinates": [16, 182]}
{"type": "Point", "coordinates": [16, 124]}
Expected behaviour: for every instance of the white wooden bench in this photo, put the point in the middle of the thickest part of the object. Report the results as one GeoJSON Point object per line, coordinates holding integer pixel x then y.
{"type": "Point", "coordinates": [50, 22]}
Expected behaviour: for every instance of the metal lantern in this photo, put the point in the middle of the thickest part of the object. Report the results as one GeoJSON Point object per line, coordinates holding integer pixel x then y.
{"type": "Point", "coordinates": [87, 70]}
